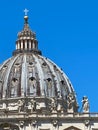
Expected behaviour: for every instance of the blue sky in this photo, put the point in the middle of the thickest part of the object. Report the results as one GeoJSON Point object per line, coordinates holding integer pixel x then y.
{"type": "Point", "coordinates": [67, 31]}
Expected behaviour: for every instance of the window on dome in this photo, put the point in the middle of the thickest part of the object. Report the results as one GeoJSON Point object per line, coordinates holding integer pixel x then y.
{"type": "Point", "coordinates": [49, 79]}
{"type": "Point", "coordinates": [62, 82]}
{"type": "Point", "coordinates": [17, 64]}
{"type": "Point", "coordinates": [44, 64]}
{"type": "Point", "coordinates": [4, 67]}
{"type": "Point", "coordinates": [30, 63]}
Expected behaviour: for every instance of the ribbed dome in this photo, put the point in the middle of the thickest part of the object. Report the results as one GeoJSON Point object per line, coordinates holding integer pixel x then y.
{"type": "Point", "coordinates": [32, 75]}
{"type": "Point", "coordinates": [28, 74]}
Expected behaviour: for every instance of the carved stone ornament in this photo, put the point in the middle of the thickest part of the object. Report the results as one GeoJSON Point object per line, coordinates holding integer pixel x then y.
{"type": "Point", "coordinates": [86, 122]}
{"type": "Point", "coordinates": [20, 104]}
{"type": "Point", "coordinates": [53, 105]}
{"type": "Point", "coordinates": [55, 123]}
{"type": "Point", "coordinates": [70, 102]}
{"type": "Point", "coordinates": [33, 123]}
{"type": "Point", "coordinates": [33, 105]}
{"type": "Point", "coordinates": [21, 123]}
{"type": "Point", "coordinates": [59, 107]}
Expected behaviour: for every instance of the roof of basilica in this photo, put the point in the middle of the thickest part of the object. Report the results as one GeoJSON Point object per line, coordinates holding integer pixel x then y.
{"type": "Point", "coordinates": [29, 74]}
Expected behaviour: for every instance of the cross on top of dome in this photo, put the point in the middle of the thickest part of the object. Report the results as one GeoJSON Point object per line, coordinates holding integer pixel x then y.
{"type": "Point", "coordinates": [26, 15]}
{"type": "Point", "coordinates": [26, 11]}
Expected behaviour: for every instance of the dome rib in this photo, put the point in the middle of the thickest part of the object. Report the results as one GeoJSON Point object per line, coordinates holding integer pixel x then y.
{"type": "Point", "coordinates": [24, 77]}
{"type": "Point", "coordinates": [65, 76]}
{"type": "Point", "coordinates": [41, 75]}
{"type": "Point", "coordinates": [7, 76]}
{"type": "Point", "coordinates": [1, 66]}
{"type": "Point", "coordinates": [53, 73]}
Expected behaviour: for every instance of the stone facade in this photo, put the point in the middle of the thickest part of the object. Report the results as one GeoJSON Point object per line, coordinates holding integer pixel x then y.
{"type": "Point", "coordinates": [11, 120]}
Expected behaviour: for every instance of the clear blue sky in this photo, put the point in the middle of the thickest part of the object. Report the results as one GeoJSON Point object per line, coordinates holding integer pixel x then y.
{"type": "Point", "coordinates": [67, 31]}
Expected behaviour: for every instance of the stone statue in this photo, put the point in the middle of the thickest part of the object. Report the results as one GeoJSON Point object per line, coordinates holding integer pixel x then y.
{"type": "Point", "coordinates": [58, 94]}
{"type": "Point", "coordinates": [14, 84]}
{"type": "Point", "coordinates": [33, 123]}
{"type": "Point", "coordinates": [55, 123]}
{"type": "Point", "coordinates": [70, 101]}
{"type": "Point", "coordinates": [33, 105]}
{"type": "Point", "coordinates": [59, 107]}
{"type": "Point", "coordinates": [53, 105]}
{"type": "Point", "coordinates": [21, 124]}
{"type": "Point", "coordinates": [20, 104]}
{"type": "Point", "coordinates": [85, 104]}
{"type": "Point", "coordinates": [49, 86]}
{"type": "Point", "coordinates": [17, 69]}
{"type": "Point", "coordinates": [33, 85]}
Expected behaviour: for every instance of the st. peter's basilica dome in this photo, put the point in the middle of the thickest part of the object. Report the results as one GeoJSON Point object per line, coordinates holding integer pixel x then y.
{"type": "Point", "coordinates": [28, 74]}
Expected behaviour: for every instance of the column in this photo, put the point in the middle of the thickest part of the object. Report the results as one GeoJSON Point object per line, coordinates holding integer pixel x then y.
{"type": "Point", "coordinates": [29, 44]}
{"type": "Point", "coordinates": [21, 44]}
{"type": "Point", "coordinates": [18, 45]}
{"type": "Point", "coordinates": [33, 45]}
{"type": "Point", "coordinates": [26, 44]}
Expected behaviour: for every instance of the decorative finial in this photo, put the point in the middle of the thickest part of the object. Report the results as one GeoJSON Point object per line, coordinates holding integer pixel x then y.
{"type": "Point", "coordinates": [26, 11]}
{"type": "Point", "coordinates": [26, 16]}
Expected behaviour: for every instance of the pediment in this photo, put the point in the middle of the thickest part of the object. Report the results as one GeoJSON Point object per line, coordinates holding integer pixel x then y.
{"type": "Point", "coordinates": [72, 128]}
{"type": "Point", "coordinates": [44, 129]}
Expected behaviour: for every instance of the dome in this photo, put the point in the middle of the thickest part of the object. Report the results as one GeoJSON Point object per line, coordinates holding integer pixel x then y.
{"type": "Point", "coordinates": [32, 75]}
{"type": "Point", "coordinates": [28, 74]}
